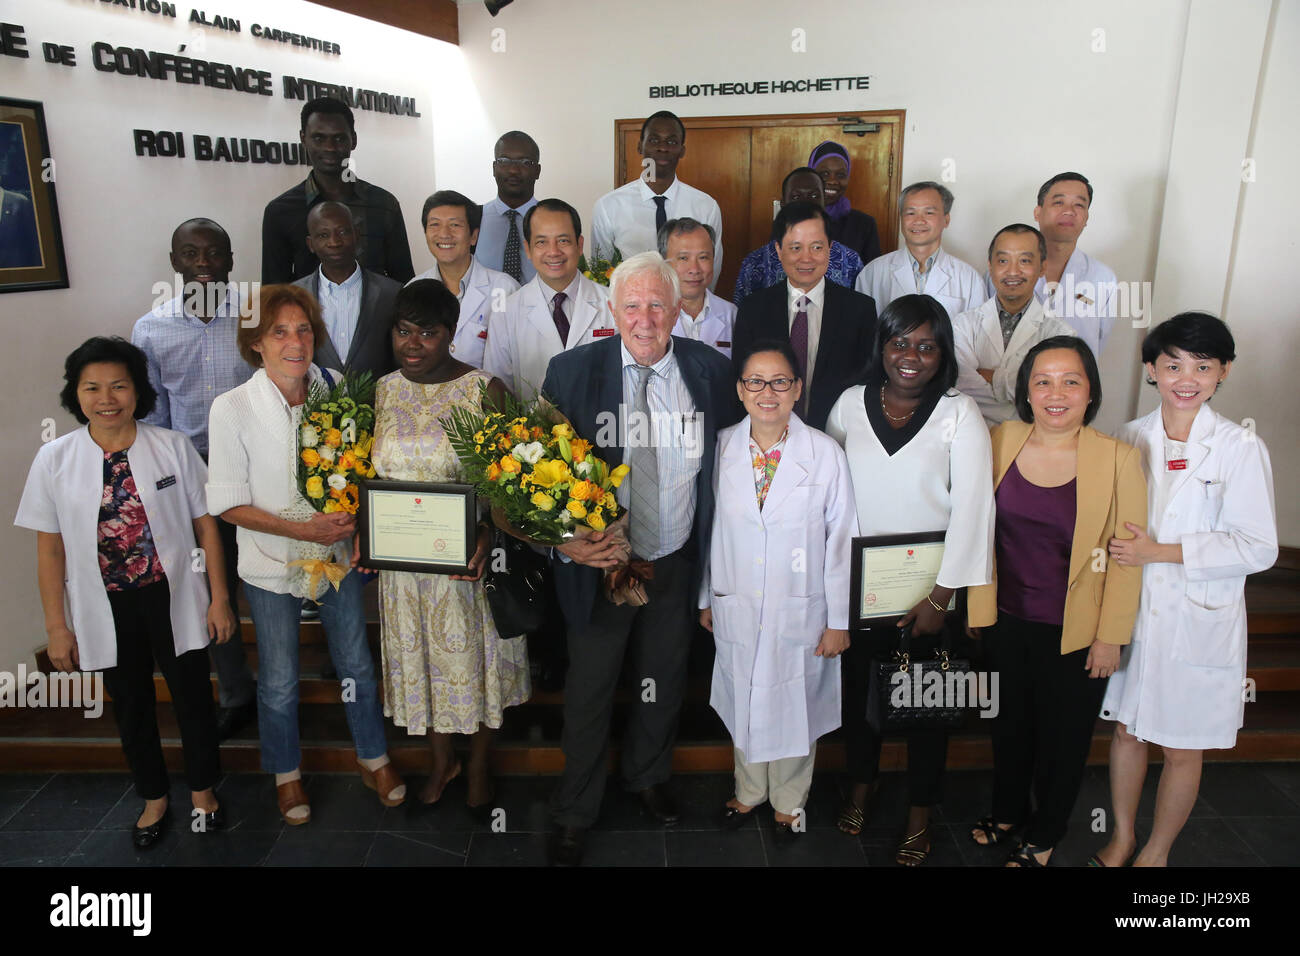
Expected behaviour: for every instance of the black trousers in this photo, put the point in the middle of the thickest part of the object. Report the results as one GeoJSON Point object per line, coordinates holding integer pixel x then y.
{"type": "Point", "coordinates": [142, 619]}
{"type": "Point", "coordinates": [1048, 708]}
{"type": "Point", "coordinates": [927, 750]}
{"type": "Point", "coordinates": [235, 685]}
{"type": "Point", "coordinates": [659, 635]}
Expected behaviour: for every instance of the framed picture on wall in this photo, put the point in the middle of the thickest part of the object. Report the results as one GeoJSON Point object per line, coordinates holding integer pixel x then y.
{"type": "Point", "coordinates": [31, 243]}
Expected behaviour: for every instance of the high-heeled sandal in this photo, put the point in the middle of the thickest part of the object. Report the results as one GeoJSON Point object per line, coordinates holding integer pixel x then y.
{"type": "Point", "coordinates": [384, 782]}
{"type": "Point", "coordinates": [909, 855]}
{"type": "Point", "coordinates": [1023, 856]}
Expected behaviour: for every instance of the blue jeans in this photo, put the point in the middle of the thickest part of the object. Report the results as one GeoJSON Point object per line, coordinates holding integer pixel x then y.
{"type": "Point", "coordinates": [276, 618]}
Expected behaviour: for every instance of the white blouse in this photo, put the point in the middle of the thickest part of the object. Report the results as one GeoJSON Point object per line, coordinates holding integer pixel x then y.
{"type": "Point", "coordinates": [252, 458]}
{"type": "Point", "coordinates": [941, 480]}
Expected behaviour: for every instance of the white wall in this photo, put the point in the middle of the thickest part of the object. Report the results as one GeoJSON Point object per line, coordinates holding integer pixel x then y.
{"type": "Point", "coordinates": [118, 210]}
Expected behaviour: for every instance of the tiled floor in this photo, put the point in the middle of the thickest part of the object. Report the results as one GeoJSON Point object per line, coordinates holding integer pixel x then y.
{"type": "Point", "coordinates": [1247, 815]}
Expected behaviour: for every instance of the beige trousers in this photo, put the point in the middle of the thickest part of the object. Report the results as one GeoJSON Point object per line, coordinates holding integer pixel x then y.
{"type": "Point", "coordinates": [783, 783]}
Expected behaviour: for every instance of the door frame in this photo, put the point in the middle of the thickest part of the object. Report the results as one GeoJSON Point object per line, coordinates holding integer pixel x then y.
{"type": "Point", "coordinates": [896, 118]}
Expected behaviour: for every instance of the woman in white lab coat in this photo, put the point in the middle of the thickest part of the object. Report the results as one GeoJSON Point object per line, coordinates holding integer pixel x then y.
{"type": "Point", "coordinates": [1211, 522]}
{"type": "Point", "coordinates": [921, 461]}
{"type": "Point", "coordinates": [776, 595]}
{"type": "Point", "coordinates": [117, 507]}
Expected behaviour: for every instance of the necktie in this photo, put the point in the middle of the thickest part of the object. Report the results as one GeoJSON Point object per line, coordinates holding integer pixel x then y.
{"type": "Point", "coordinates": [511, 265]}
{"type": "Point", "coordinates": [643, 461]}
{"type": "Point", "coordinates": [799, 342]}
{"type": "Point", "coordinates": [561, 321]}
{"type": "Point", "coordinates": [661, 213]}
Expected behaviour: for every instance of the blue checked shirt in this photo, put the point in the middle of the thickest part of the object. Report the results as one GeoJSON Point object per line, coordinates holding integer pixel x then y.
{"type": "Point", "coordinates": [191, 362]}
{"type": "Point", "coordinates": [678, 438]}
{"type": "Point", "coordinates": [340, 309]}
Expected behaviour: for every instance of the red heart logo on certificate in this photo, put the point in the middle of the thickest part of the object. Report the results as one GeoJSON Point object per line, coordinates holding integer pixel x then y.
{"type": "Point", "coordinates": [417, 501]}
{"type": "Point", "coordinates": [910, 552]}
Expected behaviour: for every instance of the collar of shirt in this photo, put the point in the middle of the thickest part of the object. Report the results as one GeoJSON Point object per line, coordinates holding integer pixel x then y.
{"type": "Point", "coordinates": [570, 292]}
{"type": "Point", "coordinates": [815, 294]}
{"type": "Point", "coordinates": [498, 207]}
{"type": "Point", "coordinates": [1004, 316]}
{"type": "Point", "coordinates": [359, 187]}
{"type": "Point", "coordinates": [329, 285]}
{"type": "Point", "coordinates": [661, 367]}
{"type": "Point", "coordinates": [227, 307]}
{"type": "Point", "coordinates": [916, 266]}
{"type": "Point", "coordinates": [648, 195]}
{"type": "Point", "coordinates": [691, 324]}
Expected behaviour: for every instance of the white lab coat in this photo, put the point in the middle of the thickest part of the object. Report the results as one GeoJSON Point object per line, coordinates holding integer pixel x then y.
{"type": "Point", "coordinates": [944, 474]}
{"type": "Point", "coordinates": [481, 284]}
{"type": "Point", "coordinates": [1086, 298]}
{"type": "Point", "coordinates": [1179, 682]}
{"type": "Point", "coordinates": [522, 339]}
{"type": "Point", "coordinates": [977, 340]}
{"type": "Point", "coordinates": [62, 496]}
{"type": "Point", "coordinates": [777, 579]}
{"type": "Point", "coordinates": [714, 330]}
{"type": "Point", "coordinates": [954, 284]}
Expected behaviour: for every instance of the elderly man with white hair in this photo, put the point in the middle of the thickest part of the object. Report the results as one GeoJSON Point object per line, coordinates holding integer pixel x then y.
{"type": "Point", "coordinates": [655, 402]}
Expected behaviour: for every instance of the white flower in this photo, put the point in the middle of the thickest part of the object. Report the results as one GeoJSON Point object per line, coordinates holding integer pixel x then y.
{"type": "Point", "coordinates": [583, 468]}
{"type": "Point", "coordinates": [349, 429]}
{"type": "Point", "coordinates": [326, 453]}
{"type": "Point", "coordinates": [337, 482]}
{"type": "Point", "coordinates": [310, 437]}
{"type": "Point", "coordinates": [530, 452]}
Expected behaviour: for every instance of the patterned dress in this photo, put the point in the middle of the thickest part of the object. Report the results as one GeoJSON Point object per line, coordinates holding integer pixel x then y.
{"type": "Point", "coordinates": [445, 668]}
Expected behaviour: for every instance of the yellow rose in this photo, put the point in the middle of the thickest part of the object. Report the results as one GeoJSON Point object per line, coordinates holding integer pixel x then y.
{"type": "Point", "coordinates": [576, 508]}
{"type": "Point", "coordinates": [618, 474]}
{"type": "Point", "coordinates": [493, 471]}
{"type": "Point", "coordinates": [509, 465]}
{"type": "Point", "coordinates": [332, 506]}
{"type": "Point", "coordinates": [310, 458]}
{"type": "Point", "coordinates": [315, 487]}
{"type": "Point", "coordinates": [542, 501]}
{"type": "Point", "coordinates": [334, 438]}
{"type": "Point", "coordinates": [562, 431]}
{"type": "Point", "coordinates": [596, 521]}
{"type": "Point", "coordinates": [583, 490]}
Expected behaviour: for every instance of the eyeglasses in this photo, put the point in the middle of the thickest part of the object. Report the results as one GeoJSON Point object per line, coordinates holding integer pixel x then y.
{"type": "Point", "coordinates": [525, 164]}
{"type": "Point", "coordinates": [757, 384]}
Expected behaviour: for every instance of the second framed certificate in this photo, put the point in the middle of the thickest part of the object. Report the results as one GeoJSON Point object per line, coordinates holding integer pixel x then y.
{"type": "Point", "coordinates": [891, 573]}
{"type": "Point", "coordinates": [417, 526]}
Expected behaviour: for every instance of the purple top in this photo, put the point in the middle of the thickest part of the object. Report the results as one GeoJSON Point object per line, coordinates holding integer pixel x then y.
{"type": "Point", "coordinates": [1035, 531]}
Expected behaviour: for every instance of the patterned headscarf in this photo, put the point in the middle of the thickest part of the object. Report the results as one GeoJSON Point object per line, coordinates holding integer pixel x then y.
{"type": "Point", "coordinates": [840, 208]}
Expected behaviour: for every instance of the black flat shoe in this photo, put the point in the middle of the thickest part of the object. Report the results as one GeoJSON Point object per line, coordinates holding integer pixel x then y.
{"type": "Point", "coordinates": [566, 846]}
{"type": "Point", "coordinates": [733, 819]}
{"type": "Point", "coordinates": [660, 805]}
{"type": "Point", "coordinates": [785, 833]}
{"type": "Point", "coordinates": [145, 837]}
{"type": "Point", "coordinates": [231, 720]}
{"type": "Point", "coordinates": [216, 820]}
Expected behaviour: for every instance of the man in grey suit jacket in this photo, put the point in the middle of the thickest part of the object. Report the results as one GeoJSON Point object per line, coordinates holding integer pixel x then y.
{"type": "Point", "coordinates": [356, 304]}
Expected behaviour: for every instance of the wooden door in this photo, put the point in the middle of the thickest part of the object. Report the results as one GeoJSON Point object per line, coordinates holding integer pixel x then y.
{"type": "Point", "coordinates": [741, 160]}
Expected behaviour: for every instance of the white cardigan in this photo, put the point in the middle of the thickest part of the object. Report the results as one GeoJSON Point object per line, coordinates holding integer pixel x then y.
{"type": "Point", "coordinates": [941, 480]}
{"type": "Point", "coordinates": [62, 496]}
{"type": "Point", "coordinates": [252, 450]}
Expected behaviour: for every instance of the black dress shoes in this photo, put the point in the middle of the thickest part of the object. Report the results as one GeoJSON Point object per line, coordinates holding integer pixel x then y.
{"type": "Point", "coordinates": [231, 720]}
{"type": "Point", "coordinates": [660, 805]}
{"type": "Point", "coordinates": [566, 846]}
{"type": "Point", "coordinates": [145, 838]}
{"type": "Point", "coordinates": [785, 834]}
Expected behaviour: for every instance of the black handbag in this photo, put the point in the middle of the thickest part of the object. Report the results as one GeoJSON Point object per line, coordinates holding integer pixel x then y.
{"type": "Point", "coordinates": [516, 592]}
{"type": "Point", "coordinates": [905, 695]}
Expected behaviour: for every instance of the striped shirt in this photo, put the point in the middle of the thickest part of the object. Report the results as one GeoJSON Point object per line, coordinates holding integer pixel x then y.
{"type": "Point", "coordinates": [340, 309]}
{"type": "Point", "coordinates": [678, 437]}
{"type": "Point", "coordinates": [191, 362]}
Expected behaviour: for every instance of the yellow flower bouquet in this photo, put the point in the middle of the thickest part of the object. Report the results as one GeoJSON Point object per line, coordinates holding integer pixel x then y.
{"type": "Point", "coordinates": [540, 478]}
{"type": "Point", "coordinates": [600, 266]}
{"type": "Point", "coordinates": [333, 457]}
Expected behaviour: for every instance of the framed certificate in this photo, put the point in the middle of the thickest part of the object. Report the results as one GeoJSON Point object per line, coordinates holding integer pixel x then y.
{"type": "Point", "coordinates": [891, 573]}
{"type": "Point", "coordinates": [417, 526]}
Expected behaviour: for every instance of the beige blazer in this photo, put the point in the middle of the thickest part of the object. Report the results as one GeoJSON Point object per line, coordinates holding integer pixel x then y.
{"type": "Point", "coordinates": [1102, 599]}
